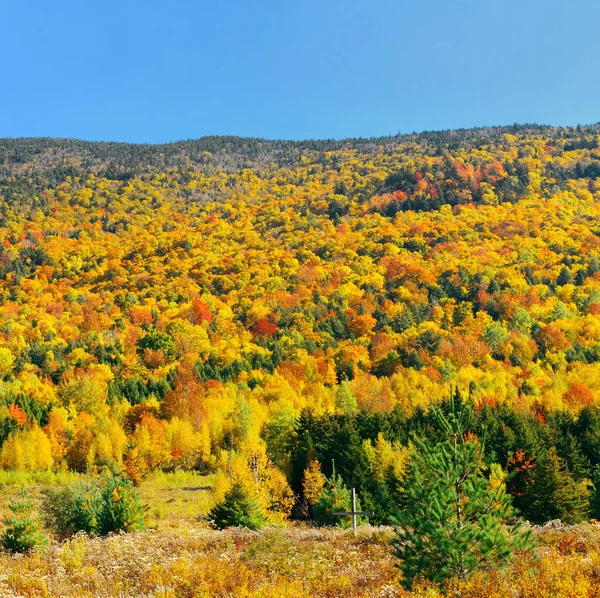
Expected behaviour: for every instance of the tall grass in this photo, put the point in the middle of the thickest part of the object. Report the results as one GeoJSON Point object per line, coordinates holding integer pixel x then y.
{"type": "Point", "coordinates": [38, 478]}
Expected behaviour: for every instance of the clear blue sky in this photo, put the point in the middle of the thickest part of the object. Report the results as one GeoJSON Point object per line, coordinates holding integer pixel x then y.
{"type": "Point", "coordinates": [150, 71]}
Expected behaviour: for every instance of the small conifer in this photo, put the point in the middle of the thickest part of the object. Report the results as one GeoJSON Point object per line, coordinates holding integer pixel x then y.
{"type": "Point", "coordinates": [237, 508]}
{"type": "Point", "coordinates": [22, 533]}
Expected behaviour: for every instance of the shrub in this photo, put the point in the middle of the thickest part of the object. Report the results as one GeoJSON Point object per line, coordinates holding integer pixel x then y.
{"type": "Point", "coordinates": [62, 514]}
{"type": "Point", "coordinates": [98, 508]}
{"type": "Point", "coordinates": [237, 508]}
{"type": "Point", "coordinates": [22, 532]}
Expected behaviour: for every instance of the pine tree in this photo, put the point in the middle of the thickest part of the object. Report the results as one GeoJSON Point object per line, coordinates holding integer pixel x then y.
{"type": "Point", "coordinates": [22, 532]}
{"type": "Point", "coordinates": [335, 497]}
{"type": "Point", "coordinates": [595, 494]}
{"type": "Point", "coordinates": [238, 508]}
{"type": "Point", "coordinates": [120, 506]}
{"type": "Point", "coordinates": [386, 509]}
{"type": "Point", "coordinates": [454, 518]}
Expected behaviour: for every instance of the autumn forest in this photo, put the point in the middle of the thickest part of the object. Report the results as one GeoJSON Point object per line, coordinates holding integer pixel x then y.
{"type": "Point", "coordinates": [283, 316]}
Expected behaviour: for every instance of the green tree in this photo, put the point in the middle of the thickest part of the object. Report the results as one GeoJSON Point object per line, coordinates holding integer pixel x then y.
{"type": "Point", "coordinates": [22, 532]}
{"type": "Point", "coordinates": [345, 401]}
{"type": "Point", "coordinates": [237, 508]}
{"type": "Point", "coordinates": [121, 507]}
{"type": "Point", "coordinates": [109, 505]}
{"type": "Point", "coordinates": [455, 514]}
{"type": "Point", "coordinates": [553, 493]}
{"type": "Point", "coordinates": [595, 495]}
{"type": "Point", "coordinates": [335, 497]}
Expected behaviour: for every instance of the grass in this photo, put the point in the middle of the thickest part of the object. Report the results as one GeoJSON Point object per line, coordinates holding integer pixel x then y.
{"type": "Point", "coordinates": [296, 562]}
{"type": "Point", "coordinates": [180, 556]}
{"type": "Point", "coordinates": [199, 562]}
{"type": "Point", "coordinates": [39, 478]}
{"type": "Point", "coordinates": [176, 497]}
{"type": "Point", "coordinates": [172, 498]}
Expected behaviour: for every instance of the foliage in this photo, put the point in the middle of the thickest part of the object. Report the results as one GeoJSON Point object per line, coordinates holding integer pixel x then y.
{"type": "Point", "coordinates": [313, 483]}
{"type": "Point", "coordinates": [335, 497]}
{"type": "Point", "coordinates": [298, 562]}
{"type": "Point", "coordinates": [162, 305]}
{"type": "Point", "coordinates": [22, 531]}
{"type": "Point", "coordinates": [135, 467]}
{"type": "Point", "coordinates": [99, 508]}
{"type": "Point", "coordinates": [455, 515]}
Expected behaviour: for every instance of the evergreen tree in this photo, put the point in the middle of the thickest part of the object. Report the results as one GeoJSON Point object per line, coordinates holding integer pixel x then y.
{"type": "Point", "coordinates": [350, 458]}
{"type": "Point", "coordinates": [453, 522]}
{"type": "Point", "coordinates": [335, 497]}
{"type": "Point", "coordinates": [110, 504]}
{"type": "Point", "coordinates": [121, 508]}
{"type": "Point", "coordinates": [564, 277]}
{"type": "Point", "coordinates": [595, 494]}
{"type": "Point", "coordinates": [588, 433]}
{"type": "Point", "coordinates": [238, 508]}
{"type": "Point", "coordinates": [22, 532]}
{"type": "Point", "coordinates": [385, 506]}
{"type": "Point", "coordinates": [552, 493]}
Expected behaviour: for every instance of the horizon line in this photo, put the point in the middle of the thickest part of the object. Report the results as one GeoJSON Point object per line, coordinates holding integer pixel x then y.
{"type": "Point", "coordinates": [303, 140]}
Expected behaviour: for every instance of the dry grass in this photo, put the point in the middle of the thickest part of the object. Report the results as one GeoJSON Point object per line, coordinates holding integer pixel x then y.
{"type": "Point", "coordinates": [194, 561]}
{"type": "Point", "coordinates": [190, 560]}
{"type": "Point", "coordinates": [176, 497]}
{"type": "Point", "coordinates": [179, 556]}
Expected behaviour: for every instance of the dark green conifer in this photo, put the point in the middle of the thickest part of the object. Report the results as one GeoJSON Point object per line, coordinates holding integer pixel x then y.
{"type": "Point", "coordinates": [238, 508]}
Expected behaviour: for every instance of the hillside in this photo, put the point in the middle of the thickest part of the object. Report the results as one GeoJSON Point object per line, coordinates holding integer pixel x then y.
{"type": "Point", "coordinates": [174, 305]}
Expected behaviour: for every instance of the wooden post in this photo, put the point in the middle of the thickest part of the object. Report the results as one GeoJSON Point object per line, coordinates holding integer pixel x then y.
{"type": "Point", "coordinates": [354, 510]}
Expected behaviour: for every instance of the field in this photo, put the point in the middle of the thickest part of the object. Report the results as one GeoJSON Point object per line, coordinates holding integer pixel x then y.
{"type": "Point", "coordinates": [180, 555]}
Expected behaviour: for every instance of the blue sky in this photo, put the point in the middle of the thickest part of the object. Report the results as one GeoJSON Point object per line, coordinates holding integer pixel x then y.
{"type": "Point", "coordinates": [149, 71]}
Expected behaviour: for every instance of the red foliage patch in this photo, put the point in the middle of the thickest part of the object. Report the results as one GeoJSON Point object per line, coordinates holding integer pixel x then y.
{"type": "Point", "coordinates": [17, 414]}
{"type": "Point", "coordinates": [264, 328]}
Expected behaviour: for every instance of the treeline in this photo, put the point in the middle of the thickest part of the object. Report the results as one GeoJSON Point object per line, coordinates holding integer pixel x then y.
{"type": "Point", "coordinates": [29, 166]}
{"type": "Point", "coordinates": [551, 460]}
{"type": "Point", "coordinates": [185, 306]}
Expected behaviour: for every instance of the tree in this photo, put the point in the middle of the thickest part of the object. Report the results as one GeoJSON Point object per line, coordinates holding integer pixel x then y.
{"type": "Point", "coordinates": [120, 506]}
{"type": "Point", "coordinates": [135, 467]}
{"type": "Point", "coordinates": [22, 532]}
{"type": "Point", "coordinates": [237, 508]}
{"type": "Point", "coordinates": [345, 401]}
{"type": "Point", "coordinates": [455, 514]}
{"type": "Point", "coordinates": [313, 482]}
{"type": "Point", "coordinates": [553, 493]}
{"type": "Point", "coordinates": [335, 497]}
{"type": "Point", "coordinates": [110, 504]}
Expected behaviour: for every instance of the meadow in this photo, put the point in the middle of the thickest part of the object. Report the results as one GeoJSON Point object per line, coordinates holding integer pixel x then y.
{"type": "Point", "coordinates": [179, 555]}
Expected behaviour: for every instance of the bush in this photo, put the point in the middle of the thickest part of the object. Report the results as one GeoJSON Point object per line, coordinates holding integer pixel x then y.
{"type": "Point", "coordinates": [237, 508]}
{"type": "Point", "coordinates": [98, 508]}
{"type": "Point", "coordinates": [22, 532]}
